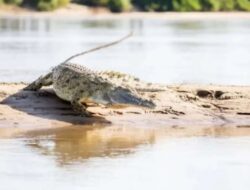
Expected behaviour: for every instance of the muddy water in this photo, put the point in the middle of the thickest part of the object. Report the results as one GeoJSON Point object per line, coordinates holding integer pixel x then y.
{"type": "Point", "coordinates": [96, 158]}
{"type": "Point", "coordinates": [168, 51]}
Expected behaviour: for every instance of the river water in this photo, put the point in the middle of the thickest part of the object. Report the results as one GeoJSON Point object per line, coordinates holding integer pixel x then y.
{"type": "Point", "coordinates": [166, 51]}
{"type": "Point", "coordinates": [119, 157]}
{"type": "Point", "coordinates": [93, 158]}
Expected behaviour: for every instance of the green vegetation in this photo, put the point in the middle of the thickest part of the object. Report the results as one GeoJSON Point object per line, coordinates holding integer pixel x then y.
{"type": "Point", "coordinates": [93, 2]}
{"type": "Point", "coordinates": [15, 2]}
{"type": "Point", "coordinates": [211, 5]}
{"type": "Point", "coordinates": [143, 5]}
{"type": "Point", "coordinates": [119, 5]}
{"type": "Point", "coordinates": [48, 5]}
{"type": "Point", "coordinates": [187, 5]}
{"type": "Point", "coordinates": [42, 5]}
{"type": "Point", "coordinates": [113, 5]}
{"type": "Point", "coordinates": [228, 5]}
{"type": "Point", "coordinates": [153, 5]}
{"type": "Point", "coordinates": [243, 5]}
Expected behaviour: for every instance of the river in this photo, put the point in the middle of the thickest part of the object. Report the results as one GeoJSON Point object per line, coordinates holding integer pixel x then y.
{"type": "Point", "coordinates": [166, 51]}
{"type": "Point", "coordinates": [200, 51]}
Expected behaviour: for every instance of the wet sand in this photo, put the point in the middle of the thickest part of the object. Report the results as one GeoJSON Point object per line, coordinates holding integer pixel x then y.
{"type": "Point", "coordinates": [192, 108]}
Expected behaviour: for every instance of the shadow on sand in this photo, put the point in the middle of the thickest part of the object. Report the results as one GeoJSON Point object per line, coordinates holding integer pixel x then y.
{"type": "Point", "coordinates": [45, 104]}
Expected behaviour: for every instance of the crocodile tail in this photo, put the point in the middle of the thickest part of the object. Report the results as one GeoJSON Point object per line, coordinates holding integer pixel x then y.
{"type": "Point", "coordinates": [122, 96]}
{"type": "Point", "coordinates": [45, 80]}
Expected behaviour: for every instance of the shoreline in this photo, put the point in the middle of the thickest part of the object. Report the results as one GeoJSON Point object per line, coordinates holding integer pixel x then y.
{"type": "Point", "coordinates": [189, 107]}
{"type": "Point", "coordinates": [74, 11]}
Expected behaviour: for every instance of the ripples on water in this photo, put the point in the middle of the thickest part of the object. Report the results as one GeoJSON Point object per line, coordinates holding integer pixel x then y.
{"type": "Point", "coordinates": [166, 51]}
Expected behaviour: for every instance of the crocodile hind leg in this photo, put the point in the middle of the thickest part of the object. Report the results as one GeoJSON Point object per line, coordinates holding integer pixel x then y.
{"type": "Point", "coordinates": [45, 80]}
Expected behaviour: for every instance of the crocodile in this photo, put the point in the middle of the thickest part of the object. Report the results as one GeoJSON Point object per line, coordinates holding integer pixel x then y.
{"type": "Point", "coordinates": [83, 87]}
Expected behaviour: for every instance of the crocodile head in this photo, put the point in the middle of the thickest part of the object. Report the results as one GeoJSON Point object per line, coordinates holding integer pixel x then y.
{"type": "Point", "coordinates": [124, 97]}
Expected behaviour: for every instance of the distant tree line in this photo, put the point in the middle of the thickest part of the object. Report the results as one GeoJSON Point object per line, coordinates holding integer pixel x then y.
{"type": "Point", "coordinates": [42, 5]}
{"type": "Point", "coordinates": [143, 5]}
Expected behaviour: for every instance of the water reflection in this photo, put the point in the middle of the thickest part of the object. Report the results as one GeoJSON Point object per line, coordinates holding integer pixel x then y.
{"type": "Point", "coordinates": [74, 144]}
{"type": "Point", "coordinates": [100, 24]}
{"type": "Point", "coordinates": [188, 26]}
{"type": "Point", "coordinates": [24, 24]}
{"type": "Point", "coordinates": [84, 157]}
{"type": "Point", "coordinates": [80, 143]}
{"type": "Point", "coordinates": [46, 24]}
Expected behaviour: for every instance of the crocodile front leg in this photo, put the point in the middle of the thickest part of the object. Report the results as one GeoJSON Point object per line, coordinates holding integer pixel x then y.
{"type": "Point", "coordinates": [81, 108]}
{"type": "Point", "coordinates": [45, 80]}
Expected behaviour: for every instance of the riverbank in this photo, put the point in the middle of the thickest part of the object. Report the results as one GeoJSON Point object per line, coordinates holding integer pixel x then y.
{"type": "Point", "coordinates": [74, 11]}
{"type": "Point", "coordinates": [182, 106]}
